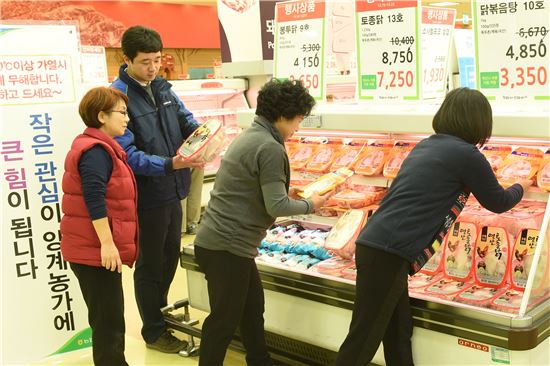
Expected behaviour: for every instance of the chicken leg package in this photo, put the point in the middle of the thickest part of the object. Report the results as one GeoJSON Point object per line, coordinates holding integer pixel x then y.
{"type": "Point", "coordinates": [479, 296]}
{"type": "Point", "coordinates": [495, 154]}
{"type": "Point", "coordinates": [322, 158]}
{"type": "Point", "coordinates": [398, 154]}
{"type": "Point", "coordinates": [374, 156]}
{"type": "Point", "coordinates": [205, 143]}
{"type": "Point", "coordinates": [459, 250]}
{"type": "Point", "coordinates": [446, 288]}
{"type": "Point", "coordinates": [348, 154]}
{"type": "Point", "coordinates": [357, 196]}
{"type": "Point", "coordinates": [342, 236]}
{"type": "Point", "coordinates": [333, 266]}
{"type": "Point", "coordinates": [543, 176]}
{"type": "Point", "coordinates": [522, 163]}
{"type": "Point", "coordinates": [301, 154]}
{"type": "Point", "coordinates": [326, 182]}
{"type": "Point", "coordinates": [492, 256]}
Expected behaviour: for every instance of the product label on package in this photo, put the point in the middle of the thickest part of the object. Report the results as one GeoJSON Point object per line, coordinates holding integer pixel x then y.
{"type": "Point", "coordinates": [512, 44]}
{"type": "Point", "coordinates": [388, 46]}
{"type": "Point", "coordinates": [299, 46]}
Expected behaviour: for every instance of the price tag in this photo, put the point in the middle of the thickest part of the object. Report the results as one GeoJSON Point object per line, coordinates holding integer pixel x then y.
{"type": "Point", "coordinates": [512, 44]}
{"type": "Point", "coordinates": [436, 36]}
{"type": "Point", "coordinates": [299, 48]}
{"type": "Point", "coordinates": [388, 49]}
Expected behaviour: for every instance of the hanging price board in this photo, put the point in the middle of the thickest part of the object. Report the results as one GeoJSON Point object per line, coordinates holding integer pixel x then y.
{"type": "Point", "coordinates": [299, 47]}
{"type": "Point", "coordinates": [512, 44]}
{"type": "Point", "coordinates": [436, 35]}
{"type": "Point", "coordinates": [387, 44]}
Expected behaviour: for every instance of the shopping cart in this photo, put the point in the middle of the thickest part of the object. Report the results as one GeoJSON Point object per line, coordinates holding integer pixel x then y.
{"type": "Point", "coordinates": [183, 323]}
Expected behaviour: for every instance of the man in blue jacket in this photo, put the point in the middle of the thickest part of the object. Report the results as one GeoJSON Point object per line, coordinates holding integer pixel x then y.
{"type": "Point", "coordinates": [159, 123]}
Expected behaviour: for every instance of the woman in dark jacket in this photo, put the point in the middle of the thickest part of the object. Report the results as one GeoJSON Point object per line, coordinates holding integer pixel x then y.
{"type": "Point", "coordinates": [99, 228]}
{"type": "Point", "coordinates": [436, 177]}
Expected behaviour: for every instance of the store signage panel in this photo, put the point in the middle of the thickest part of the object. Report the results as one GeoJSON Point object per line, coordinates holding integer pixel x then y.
{"type": "Point", "coordinates": [436, 35]}
{"type": "Point", "coordinates": [512, 49]}
{"type": "Point", "coordinates": [41, 297]}
{"type": "Point", "coordinates": [387, 49]}
{"type": "Point", "coordinates": [94, 65]}
{"type": "Point", "coordinates": [299, 43]}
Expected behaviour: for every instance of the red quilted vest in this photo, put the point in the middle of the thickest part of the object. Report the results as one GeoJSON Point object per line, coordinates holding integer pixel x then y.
{"type": "Point", "coordinates": [79, 242]}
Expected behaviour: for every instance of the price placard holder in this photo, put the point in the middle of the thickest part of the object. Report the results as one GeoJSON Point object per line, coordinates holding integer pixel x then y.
{"type": "Point", "coordinates": [388, 49]}
{"type": "Point", "coordinates": [299, 46]}
{"type": "Point", "coordinates": [512, 45]}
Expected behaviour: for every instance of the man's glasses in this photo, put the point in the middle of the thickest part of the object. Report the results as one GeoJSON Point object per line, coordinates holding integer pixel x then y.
{"type": "Point", "coordinates": [124, 113]}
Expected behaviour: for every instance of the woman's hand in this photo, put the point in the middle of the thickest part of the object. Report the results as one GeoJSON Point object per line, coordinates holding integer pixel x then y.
{"type": "Point", "coordinates": [293, 193]}
{"type": "Point", "coordinates": [110, 258]}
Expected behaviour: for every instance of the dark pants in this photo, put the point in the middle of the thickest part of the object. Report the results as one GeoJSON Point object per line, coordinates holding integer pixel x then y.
{"type": "Point", "coordinates": [102, 292]}
{"type": "Point", "coordinates": [381, 312]}
{"type": "Point", "coordinates": [236, 299]}
{"type": "Point", "coordinates": [160, 236]}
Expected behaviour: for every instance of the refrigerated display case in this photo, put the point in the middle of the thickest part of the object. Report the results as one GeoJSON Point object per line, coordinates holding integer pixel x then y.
{"type": "Point", "coordinates": [307, 314]}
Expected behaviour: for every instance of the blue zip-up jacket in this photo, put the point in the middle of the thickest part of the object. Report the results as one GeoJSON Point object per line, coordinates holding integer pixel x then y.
{"type": "Point", "coordinates": [154, 134]}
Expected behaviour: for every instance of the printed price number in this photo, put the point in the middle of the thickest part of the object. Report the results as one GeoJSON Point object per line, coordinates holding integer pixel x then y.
{"type": "Point", "coordinates": [532, 32]}
{"type": "Point", "coordinates": [522, 76]}
{"type": "Point", "coordinates": [308, 81]}
{"type": "Point", "coordinates": [527, 51]}
{"type": "Point", "coordinates": [397, 41]}
{"type": "Point", "coordinates": [308, 61]}
{"type": "Point", "coordinates": [395, 57]}
{"type": "Point", "coordinates": [311, 47]}
{"type": "Point", "coordinates": [395, 79]}
{"type": "Point", "coordinates": [434, 75]}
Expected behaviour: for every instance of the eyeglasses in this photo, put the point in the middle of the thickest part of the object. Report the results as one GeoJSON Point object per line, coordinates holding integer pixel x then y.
{"type": "Point", "coordinates": [124, 113]}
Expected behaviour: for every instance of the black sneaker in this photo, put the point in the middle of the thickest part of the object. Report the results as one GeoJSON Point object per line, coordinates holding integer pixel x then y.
{"type": "Point", "coordinates": [192, 229]}
{"type": "Point", "coordinates": [167, 343]}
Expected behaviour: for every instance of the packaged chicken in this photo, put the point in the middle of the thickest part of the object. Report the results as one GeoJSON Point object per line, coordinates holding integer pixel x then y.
{"type": "Point", "coordinates": [459, 250]}
{"type": "Point", "coordinates": [522, 163]}
{"type": "Point", "coordinates": [543, 176]}
{"type": "Point", "coordinates": [435, 263]}
{"type": "Point", "coordinates": [398, 154]}
{"type": "Point", "coordinates": [479, 296]}
{"type": "Point", "coordinates": [301, 155]}
{"type": "Point", "coordinates": [508, 301]}
{"type": "Point", "coordinates": [420, 281]}
{"type": "Point", "coordinates": [291, 144]}
{"type": "Point", "coordinates": [374, 156]}
{"type": "Point", "coordinates": [492, 257]}
{"type": "Point", "coordinates": [342, 236]}
{"type": "Point", "coordinates": [333, 266]}
{"type": "Point", "coordinates": [358, 196]}
{"type": "Point", "coordinates": [446, 288]}
{"type": "Point", "coordinates": [322, 158]}
{"type": "Point", "coordinates": [205, 143]}
{"type": "Point", "coordinates": [326, 182]}
{"type": "Point", "coordinates": [522, 257]}
{"type": "Point", "coordinates": [348, 154]}
{"type": "Point", "coordinates": [495, 154]}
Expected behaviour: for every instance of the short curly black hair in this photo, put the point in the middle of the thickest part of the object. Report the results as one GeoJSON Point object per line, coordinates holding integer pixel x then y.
{"type": "Point", "coordinates": [284, 98]}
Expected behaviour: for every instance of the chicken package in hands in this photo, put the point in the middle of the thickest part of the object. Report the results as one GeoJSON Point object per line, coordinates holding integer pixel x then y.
{"type": "Point", "coordinates": [374, 156]}
{"type": "Point", "coordinates": [348, 154]}
{"type": "Point", "coordinates": [205, 143]}
{"type": "Point", "coordinates": [342, 236]}
{"type": "Point", "coordinates": [326, 182]}
{"type": "Point", "coordinates": [522, 163]}
{"type": "Point", "coordinates": [322, 158]}
{"type": "Point", "coordinates": [492, 257]}
{"type": "Point", "coordinates": [459, 250]}
{"type": "Point", "coordinates": [495, 154]}
{"type": "Point", "coordinates": [543, 176]}
{"type": "Point", "coordinates": [398, 154]}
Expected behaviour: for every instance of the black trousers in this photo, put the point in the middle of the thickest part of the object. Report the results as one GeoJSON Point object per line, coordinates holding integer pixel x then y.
{"type": "Point", "coordinates": [236, 299]}
{"type": "Point", "coordinates": [102, 292]}
{"type": "Point", "coordinates": [381, 312]}
{"type": "Point", "coordinates": [160, 236]}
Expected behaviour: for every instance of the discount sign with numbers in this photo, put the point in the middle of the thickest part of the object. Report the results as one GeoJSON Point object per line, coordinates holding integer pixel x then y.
{"type": "Point", "coordinates": [436, 36]}
{"type": "Point", "coordinates": [512, 44]}
{"type": "Point", "coordinates": [387, 43]}
{"type": "Point", "coordinates": [299, 47]}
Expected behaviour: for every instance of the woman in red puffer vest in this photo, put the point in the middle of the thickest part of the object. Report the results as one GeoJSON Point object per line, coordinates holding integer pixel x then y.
{"type": "Point", "coordinates": [99, 226]}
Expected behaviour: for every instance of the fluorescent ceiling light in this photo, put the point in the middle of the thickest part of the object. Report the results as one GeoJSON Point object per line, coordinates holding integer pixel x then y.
{"type": "Point", "coordinates": [444, 3]}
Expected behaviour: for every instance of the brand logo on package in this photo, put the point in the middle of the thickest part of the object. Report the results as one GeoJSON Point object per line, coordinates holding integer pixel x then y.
{"type": "Point", "coordinates": [474, 345]}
